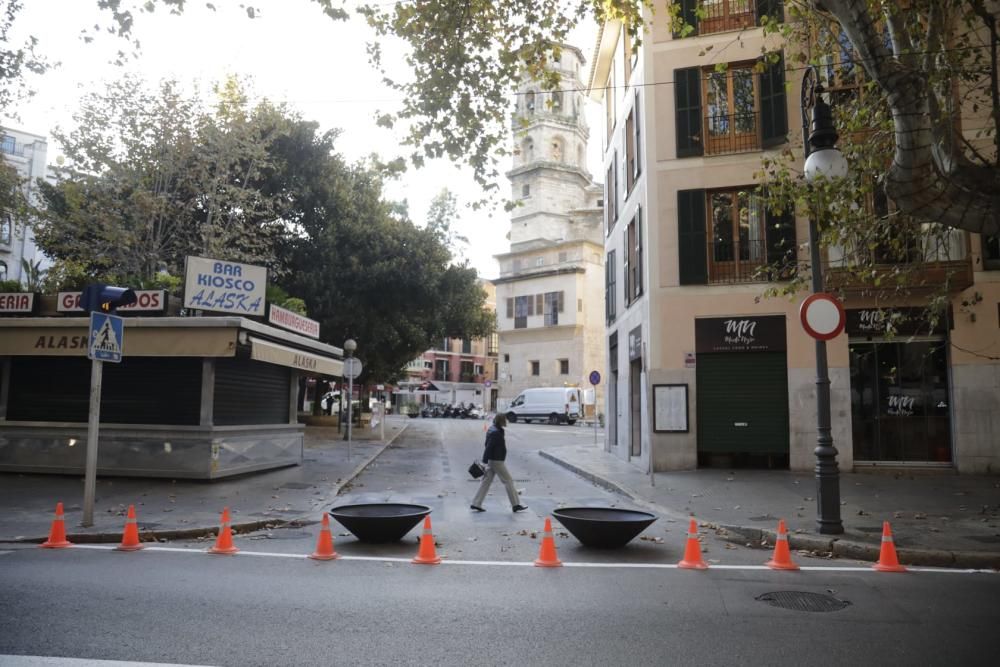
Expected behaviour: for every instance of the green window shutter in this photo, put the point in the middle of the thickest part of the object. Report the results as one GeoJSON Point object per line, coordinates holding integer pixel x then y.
{"type": "Point", "coordinates": [687, 107]}
{"type": "Point", "coordinates": [638, 252]}
{"type": "Point", "coordinates": [687, 12]}
{"type": "Point", "coordinates": [770, 8]}
{"type": "Point", "coordinates": [626, 267]}
{"type": "Point", "coordinates": [781, 242]}
{"type": "Point", "coordinates": [691, 237]}
{"type": "Point", "coordinates": [773, 108]}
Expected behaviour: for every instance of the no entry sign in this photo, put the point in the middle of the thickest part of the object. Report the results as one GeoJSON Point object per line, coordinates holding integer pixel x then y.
{"type": "Point", "coordinates": [822, 316]}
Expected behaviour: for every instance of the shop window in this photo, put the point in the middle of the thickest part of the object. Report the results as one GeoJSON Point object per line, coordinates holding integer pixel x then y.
{"type": "Point", "coordinates": [724, 236]}
{"type": "Point", "coordinates": [731, 111]}
{"type": "Point", "coordinates": [564, 366]}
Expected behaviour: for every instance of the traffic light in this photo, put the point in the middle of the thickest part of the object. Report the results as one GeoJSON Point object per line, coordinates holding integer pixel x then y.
{"type": "Point", "coordinates": [105, 298]}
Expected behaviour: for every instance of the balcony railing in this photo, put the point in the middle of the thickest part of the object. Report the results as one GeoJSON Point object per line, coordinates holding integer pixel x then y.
{"type": "Point", "coordinates": [917, 268]}
{"type": "Point", "coordinates": [726, 15]}
{"type": "Point", "coordinates": [735, 261]}
{"type": "Point", "coordinates": [732, 133]}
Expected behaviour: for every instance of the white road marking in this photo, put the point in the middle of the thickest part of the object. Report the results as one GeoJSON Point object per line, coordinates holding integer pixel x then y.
{"type": "Point", "coordinates": [46, 661]}
{"type": "Point", "coordinates": [505, 563]}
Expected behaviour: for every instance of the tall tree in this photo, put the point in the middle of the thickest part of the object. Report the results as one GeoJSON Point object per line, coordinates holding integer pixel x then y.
{"type": "Point", "coordinates": [154, 176]}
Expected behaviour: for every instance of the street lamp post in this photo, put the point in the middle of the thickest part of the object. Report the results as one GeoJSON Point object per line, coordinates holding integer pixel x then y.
{"type": "Point", "coordinates": [823, 160]}
{"type": "Point", "coordinates": [349, 347]}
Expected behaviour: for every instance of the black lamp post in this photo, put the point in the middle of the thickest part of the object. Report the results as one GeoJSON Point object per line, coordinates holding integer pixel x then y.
{"type": "Point", "coordinates": [823, 160]}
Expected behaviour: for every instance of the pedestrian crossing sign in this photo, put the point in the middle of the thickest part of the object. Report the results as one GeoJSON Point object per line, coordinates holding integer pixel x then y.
{"type": "Point", "coordinates": [107, 335]}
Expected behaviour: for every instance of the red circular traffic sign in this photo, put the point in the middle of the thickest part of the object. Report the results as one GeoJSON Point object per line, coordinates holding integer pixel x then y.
{"type": "Point", "coordinates": [822, 316]}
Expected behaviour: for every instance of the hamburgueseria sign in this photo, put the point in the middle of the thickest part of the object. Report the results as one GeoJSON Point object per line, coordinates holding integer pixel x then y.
{"type": "Point", "coordinates": [226, 287]}
{"type": "Point", "coordinates": [292, 321]}
{"type": "Point", "coordinates": [19, 303]}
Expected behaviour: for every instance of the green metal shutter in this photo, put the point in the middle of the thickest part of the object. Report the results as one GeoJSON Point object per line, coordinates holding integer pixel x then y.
{"type": "Point", "coordinates": [773, 108]}
{"type": "Point", "coordinates": [687, 111]}
{"type": "Point", "coordinates": [691, 241]}
{"type": "Point", "coordinates": [743, 403]}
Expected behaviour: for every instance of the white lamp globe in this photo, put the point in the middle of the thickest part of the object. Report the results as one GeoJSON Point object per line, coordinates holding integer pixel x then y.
{"type": "Point", "coordinates": [827, 163]}
{"type": "Point", "coordinates": [350, 345]}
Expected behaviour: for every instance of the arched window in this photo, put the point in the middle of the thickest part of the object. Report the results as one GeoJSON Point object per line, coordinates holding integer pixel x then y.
{"type": "Point", "coordinates": [6, 229]}
{"type": "Point", "coordinates": [529, 101]}
{"type": "Point", "coordinates": [557, 100]}
{"type": "Point", "coordinates": [3, 271]}
{"type": "Point", "coordinates": [528, 150]}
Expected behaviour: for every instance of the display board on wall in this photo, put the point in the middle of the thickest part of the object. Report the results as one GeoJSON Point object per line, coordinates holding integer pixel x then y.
{"type": "Point", "coordinates": [670, 408]}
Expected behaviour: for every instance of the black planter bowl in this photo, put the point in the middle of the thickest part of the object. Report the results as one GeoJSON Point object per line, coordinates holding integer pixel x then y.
{"type": "Point", "coordinates": [379, 522]}
{"type": "Point", "coordinates": [603, 527]}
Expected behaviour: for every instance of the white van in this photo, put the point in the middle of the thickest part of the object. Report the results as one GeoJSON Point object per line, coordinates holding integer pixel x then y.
{"type": "Point", "coordinates": [556, 405]}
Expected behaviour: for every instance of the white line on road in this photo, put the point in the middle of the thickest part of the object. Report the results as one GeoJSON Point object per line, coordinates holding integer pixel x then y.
{"type": "Point", "coordinates": [505, 563]}
{"type": "Point", "coordinates": [46, 661]}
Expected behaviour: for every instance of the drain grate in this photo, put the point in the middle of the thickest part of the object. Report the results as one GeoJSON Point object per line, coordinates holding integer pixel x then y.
{"type": "Point", "coordinates": [802, 601]}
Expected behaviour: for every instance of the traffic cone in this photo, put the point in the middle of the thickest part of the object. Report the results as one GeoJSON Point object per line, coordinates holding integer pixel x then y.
{"type": "Point", "coordinates": [324, 546]}
{"type": "Point", "coordinates": [547, 554]}
{"type": "Point", "coordinates": [692, 551]}
{"type": "Point", "coordinates": [426, 555]}
{"type": "Point", "coordinates": [782, 559]}
{"type": "Point", "coordinates": [130, 538]}
{"type": "Point", "coordinates": [224, 543]}
{"type": "Point", "coordinates": [57, 534]}
{"type": "Point", "coordinates": [887, 561]}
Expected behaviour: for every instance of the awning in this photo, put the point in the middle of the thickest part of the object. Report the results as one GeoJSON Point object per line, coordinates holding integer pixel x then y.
{"type": "Point", "coordinates": [272, 353]}
{"type": "Point", "coordinates": [65, 341]}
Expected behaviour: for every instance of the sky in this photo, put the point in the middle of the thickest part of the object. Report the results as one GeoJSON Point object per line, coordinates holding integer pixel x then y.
{"type": "Point", "coordinates": [292, 53]}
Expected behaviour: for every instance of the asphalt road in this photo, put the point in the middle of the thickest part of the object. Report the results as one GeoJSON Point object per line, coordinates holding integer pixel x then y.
{"type": "Point", "coordinates": [268, 605]}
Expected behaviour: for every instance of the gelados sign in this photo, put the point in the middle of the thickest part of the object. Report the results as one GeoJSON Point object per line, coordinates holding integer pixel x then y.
{"type": "Point", "coordinates": [226, 287]}
{"type": "Point", "coordinates": [146, 301]}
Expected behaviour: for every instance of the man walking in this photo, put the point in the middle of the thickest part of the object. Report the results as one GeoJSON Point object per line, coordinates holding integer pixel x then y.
{"type": "Point", "coordinates": [494, 456]}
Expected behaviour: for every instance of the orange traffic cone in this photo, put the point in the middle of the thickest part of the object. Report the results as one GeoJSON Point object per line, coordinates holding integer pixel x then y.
{"type": "Point", "coordinates": [324, 546]}
{"type": "Point", "coordinates": [130, 538]}
{"type": "Point", "coordinates": [224, 543]}
{"type": "Point", "coordinates": [426, 555]}
{"type": "Point", "coordinates": [692, 551]}
{"type": "Point", "coordinates": [782, 559]}
{"type": "Point", "coordinates": [887, 561]}
{"type": "Point", "coordinates": [57, 534]}
{"type": "Point", "coordinates": [547, 554]}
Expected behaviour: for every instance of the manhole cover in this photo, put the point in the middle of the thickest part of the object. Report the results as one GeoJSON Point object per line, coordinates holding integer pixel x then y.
{"type": "Point", "coordinates": [802, 601]}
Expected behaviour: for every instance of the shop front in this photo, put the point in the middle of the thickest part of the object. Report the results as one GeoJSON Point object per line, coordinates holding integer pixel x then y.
{"type": "Point", "coordinates": [900, 399]}
{"type": "Point", "coordinates": [193, 397]}
{"type": "Point", "coordinates": [742, 391]}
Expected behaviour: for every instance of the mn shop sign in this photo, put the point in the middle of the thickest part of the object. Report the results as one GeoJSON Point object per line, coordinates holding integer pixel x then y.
{"type": "Point", "coordinates": [898, 321]}
{"type": "Point", "coordinates": [739, 333]}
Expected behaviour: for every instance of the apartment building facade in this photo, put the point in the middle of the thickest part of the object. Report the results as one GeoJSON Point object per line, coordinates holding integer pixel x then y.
{"type": "Point", "coordinates": [703, 370]}
{"type": "Point", "coordinates": [550, 288]}
{"type": "Point", "coordinates": [27, 154]}
{"type": "Point", "coordinates": [455, 370]}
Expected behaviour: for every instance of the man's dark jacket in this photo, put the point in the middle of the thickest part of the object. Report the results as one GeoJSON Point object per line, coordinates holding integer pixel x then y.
{"type": "Point", "coordinates": [496, 447]}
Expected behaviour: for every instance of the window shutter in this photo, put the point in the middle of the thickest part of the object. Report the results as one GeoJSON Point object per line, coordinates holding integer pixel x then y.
{"type": "Point", "coordinates": [687, 12]}
{"type": "Point", "coordinates": [638, 252]}
{"type": "Point", "coordinates": [625, 268]}
{"type": "Point", "coordinates": [773, 109]}
{"type": "Point", "coordinates": [781, 242]}
{"type": "Point", "coordinates": [510, 308]}
{"type": "Point", "coordinates": [770, 8]}
{"type": "Point", "coordinates": [560, 301]}
{"type": "Point", "coordinates": [687, 89]}
{"type": "Point", "coordinates": [691, 247]}
{"type": "Point", "coordinates": [539, 304]}
{"type": "Point", "coordinates": [638, 138]}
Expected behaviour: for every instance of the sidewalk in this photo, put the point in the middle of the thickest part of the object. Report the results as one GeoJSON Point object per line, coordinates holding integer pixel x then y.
{"type": "Point", "coordinates": [938, 519]}
{"type": "Point", "coordinates": [177, 509]}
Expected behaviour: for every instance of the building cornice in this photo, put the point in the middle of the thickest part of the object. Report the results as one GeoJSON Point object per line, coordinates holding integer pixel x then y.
{"type": "Point", "coordinates": [540, 274]}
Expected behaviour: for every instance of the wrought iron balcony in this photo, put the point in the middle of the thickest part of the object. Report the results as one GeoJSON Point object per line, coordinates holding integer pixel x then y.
{"type": "Point", "coordinates": [732, 133]}
{"type": "Point", "coordinates": [732, 261]}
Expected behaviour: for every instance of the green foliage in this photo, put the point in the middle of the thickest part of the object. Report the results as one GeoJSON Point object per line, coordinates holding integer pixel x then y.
{"type": "Point", "coordinates": [296, 305]}
{"type": "Point", "coordinates": [32, 274]}
{"type": "Point", "coordinates": [66, 276]}
{"type": "Point", "coordinates": [11, 286]}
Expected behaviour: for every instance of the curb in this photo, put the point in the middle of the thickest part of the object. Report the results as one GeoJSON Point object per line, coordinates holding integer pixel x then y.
{"type": "Point", "coordinates": [760, 538]}
{"type": "Point", "coordinates": [237, 528]}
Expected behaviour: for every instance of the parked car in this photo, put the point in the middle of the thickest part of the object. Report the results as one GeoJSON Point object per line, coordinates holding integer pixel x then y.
{"type": "Point", "coordinates": [556, 405]}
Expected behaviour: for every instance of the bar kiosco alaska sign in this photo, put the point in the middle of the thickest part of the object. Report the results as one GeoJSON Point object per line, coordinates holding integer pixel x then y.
{"type": "Point", "coordinates": [17, 303]}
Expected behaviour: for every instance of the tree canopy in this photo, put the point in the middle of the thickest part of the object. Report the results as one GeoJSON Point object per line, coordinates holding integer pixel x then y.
{"type": "Point", "coordinates": [155, 175]}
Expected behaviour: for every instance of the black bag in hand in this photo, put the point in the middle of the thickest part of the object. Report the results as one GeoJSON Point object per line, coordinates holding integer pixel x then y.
{"type": "Point", "coordinates": [477, 470]}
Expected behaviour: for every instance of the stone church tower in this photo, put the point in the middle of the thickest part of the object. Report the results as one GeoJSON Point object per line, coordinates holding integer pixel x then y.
{"type": "Point", "coordinates": [550, 293]}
